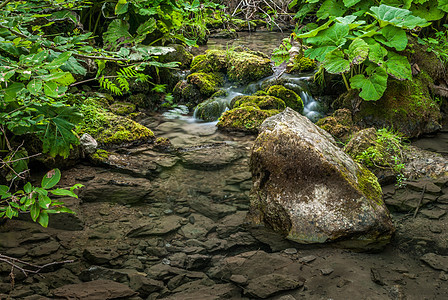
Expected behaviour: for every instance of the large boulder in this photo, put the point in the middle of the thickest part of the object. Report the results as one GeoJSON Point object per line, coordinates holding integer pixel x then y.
{"type": "Point", "coordinates": [310, 191]}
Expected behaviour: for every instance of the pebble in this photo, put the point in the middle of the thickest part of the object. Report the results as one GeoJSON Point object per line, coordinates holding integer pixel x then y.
{"type": "Point", "coordinates": [166, 261]}
{"type": "Point", "coordinates": [307, 259]}
{"type": "Point", "coordinates": [326, 271]}
{"type": "Point", "coordinates": [291, 251]}
{"type": "Point", "coordinates": [167, 211]}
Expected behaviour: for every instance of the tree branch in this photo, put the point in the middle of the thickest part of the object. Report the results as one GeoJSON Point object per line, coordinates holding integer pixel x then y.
{"type": "Point", "coordinates": [14, 262]}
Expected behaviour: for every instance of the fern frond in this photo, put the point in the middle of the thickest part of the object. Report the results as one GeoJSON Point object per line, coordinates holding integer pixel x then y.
{"type": "Point", "coordinates": [109, 85]}
{"type": "Point", "coordinates": [123, 81]}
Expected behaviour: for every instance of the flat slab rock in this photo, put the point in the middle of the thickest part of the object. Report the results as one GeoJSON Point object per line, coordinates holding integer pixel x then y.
{"type": "Point", "coordinates": [94, 290]}
{"type": "Point", "coordinates": [435, 261]}
{"type": "Point", "coordinates": [210, 157]}
{"type": "Point", "coordinates": [310, 191]}
{"type": "Point", "coordinates": [157, 227]}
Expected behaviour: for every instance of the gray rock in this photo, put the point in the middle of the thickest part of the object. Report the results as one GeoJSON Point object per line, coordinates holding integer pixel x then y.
{"type": "Point", "coordinates": [44, 249]}
{"type": "Point", "coordinates": [66, 221]}
{"type": "Point", "coordinates": [98, 272]}
{"type": "Point", "coordinates": [158, 227]}
{"type": "Point", "coordinates": [268, 285]}
{"type": "Point", "coordinates": [205, 291]}
{"type": "Point", "coordinates": [117, 188]}
{"type": "Point", "coordinates": [209, 208]}
{"type": "Point", "coordinates": [307, 259]}
{"type": "Point", "coordinates": [433, 213]}
{"type": "Point", "coordinates": [144, 285]}
{"type": "Point", "coordinates": [197, 262]}
{"type": "Point", "coordinates": [88, 143]}
{"type": "Point", "coordinates": [98, 255]}
{"type": "Point", "coordinates": [212, 157]}
{"type": "Point", "coordinates": [94, 290]}
{"type": "Point", "coordinates": [307, 189]}
{"type": "Point", "coordinates": [435, 261]}
{"type": "Point", "coordinates": [202, 225]}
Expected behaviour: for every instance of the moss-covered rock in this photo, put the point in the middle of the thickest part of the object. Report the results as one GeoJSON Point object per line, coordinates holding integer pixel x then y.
{"type": "Point", "coordinates": [339, 124]}
{"type": "Point", "coordinates": [181, 55]}
{"type": "Point", "coordinates": [406, 106]}
{"type": "Point", "coordinates": [381, 151]}
{"type": "Point", "coordinates": [109, 129]}
{"type": "Point", "coordinates": [301, 64]}
{"type": "Point", "coordinates": [122, 108]}
{"type": "Point", "coordinates": [245, 119]}
{"type": "Point", "coordinates": [100, 156]}
{"type": "Point", "coordinates": [210, 110]}
{"type": "Point", "coordinates": [262, 102]}
{"type": "Point", "coordinates": [240, 65]}
{"type": "Point", "coordinates": [290, 97]}
{"type": "Point", "coordinates": [207, 83]}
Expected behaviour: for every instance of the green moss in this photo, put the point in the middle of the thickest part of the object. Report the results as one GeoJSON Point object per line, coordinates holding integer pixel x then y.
{"type": "Point", "coordinates": [301, 64]}
{"type": "Point", "coordinates": [108, 128]}
{"type": "Point", "coordinates": [339, 124]}
{"type": "Point", "coordinates": [290, 97]}
{"type": "Point", "coordinates": [122, 108]}
{"type": "Point", "coordinates": [200, 63]}
{"type": "Point", "coordinates": [369, 185]}
{"type": "Point", "coordinates": [262, 102]}
{"type": "Point", "coordinates": [406, 106]}
{"type": "Point", "coordinates": [207, 83]}
{"type": "Point", "coordinates": [100, 156]}
{"type": "Point", "coordinates": [246, 119]}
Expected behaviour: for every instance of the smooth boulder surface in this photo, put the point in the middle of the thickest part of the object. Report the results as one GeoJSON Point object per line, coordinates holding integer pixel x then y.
{"type": "Point", "coordinates": [310, 191]}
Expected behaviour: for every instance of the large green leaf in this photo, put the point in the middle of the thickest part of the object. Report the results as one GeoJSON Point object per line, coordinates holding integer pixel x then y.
{"type": "Point", "coordinates": [314, 32]}
{"type": "Point", "coordinates": [117, 30]}
{"type": "Point", "coordinates": [396, 16]}
{"type": "Point", "coordinates": [398, 3]}
{"type": "Point", "coordinates": [393, 37]}
{"type": "Point", "coordinates": [428, 11]}
{"type": "Point", "coordinates": [357, 51]}
{"type": "Point", "coordinates": [59, 61]}
{"type": "Point", "coordinates": [331, 8]}
{"type": "Point", "coordinates": [11, 91]}
{"type": "Point", "coordinates": [34, 86]}
{"type": "Point", "coordinates": [319, 53]}
{"type": "Point", "coordinates": [443, 5]}
{"type": "Point", "coordinates": [51, 89]}
{"type": "Point", "coordinates": [373, 86]}
{"type": "Point", "coordinates": [121, 7]}
{"type": "Point", "coordinates": [335, 62]}
{"type": "Point", "coordinates": [398, 66]}
{"type": "Point", "coordinates": [377, 53]}
{"type": "Point", "coordinates": [350, 3]}
{"type": "Point", "coordinates": [148, 27]}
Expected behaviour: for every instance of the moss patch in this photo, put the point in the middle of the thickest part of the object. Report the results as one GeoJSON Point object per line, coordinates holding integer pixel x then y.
{"type": "Point", "coordinates": [207, 83]}
{"type": "Point", "coordinates": [339, 124]}
{"type": "Point", "coordinates": [110, 129]}
{"type": "Point", "coordinates": [368, 183]}
{"type": "Point", "coordinates": [262, 102]}
{"type": "Point", "coordinates": [122, 108]}
{"type": "Point", "coordinates": [246, 119]}
{"type": "Point", "coordinates": [290, 97]}
{"type": "Point", "coordinates": [301, 64]}
{"type": "Point", "coordinates": [210, 109]}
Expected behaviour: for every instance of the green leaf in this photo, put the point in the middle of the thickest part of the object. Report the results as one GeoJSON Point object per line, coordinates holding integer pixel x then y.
{"type": "Point", "coordinates": [117, 30]}
{"type": "Point", "coordinates": [44, 201]}
{"type": "Point", "coordinates": [51, 89]}
{"type": "Point", "coordinates": [59, 61]}
{"type": "Point", "coordinates": [327, 40]}
{"type": "Point", "coordinates": [373, 86]}
{"type": "Point", "coordinates": [396, 16]}
{"type": "Point", "coordinates": [121, 7]}
{"type": "Point", "coordinates": [377, 53]}
{"type": "Point", "coordinates": [398, 3]}
{"type": "Point", "coordinates": [34, 86]}
{"type": "Point", "coordinates": [357, 51]}
{"type": "Point", "coordinates": [63, 192]}
{"type": "Point", "coordinates": [28, 188]}
{"type": "Point", "coordinates": [398, 66]}
{"type": "Point", "coordinates": [35, 211]}
{"type": "Point", "coordinates": [9, 212]}
{"type": "Point", "coordinates": [443, 5]}
{"type": "Point", "coordinates": [393, 37]}
{"type": "Point", "coordinates": [74, 67]}
{"type": "Point", "coordinates": [51, 179]}
{"type": "Point", "coordinates": [427, 11]}
{"type": "Point", "coordinates": [148, 27]}
{"type": "Point", "coordinates": [319, 53]}
{"type": "Point", "coordinates": [335, 63]}
{"type": "Point", "coordinates": [314, 32]}
{"type": "Point", "coordinates": [350, 3]}
{"type": "Point", "coordinates": [331, 8]}
{"type": "Point", "coordinates": [12, 90]}
{"type": "Point", "coordinates": [43, 218]}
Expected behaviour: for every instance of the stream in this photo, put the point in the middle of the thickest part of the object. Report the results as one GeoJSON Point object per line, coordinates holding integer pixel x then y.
{"type": "Point", "coordinates": [171, 225]}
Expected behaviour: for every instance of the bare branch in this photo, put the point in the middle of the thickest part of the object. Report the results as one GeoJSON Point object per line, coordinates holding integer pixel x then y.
{"type": "Point", "coordinates": [15, 263]}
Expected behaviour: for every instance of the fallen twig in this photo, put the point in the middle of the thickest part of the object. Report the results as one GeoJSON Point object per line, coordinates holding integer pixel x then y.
{"type": "Point", "coordinates": [420, 201]}
{"type": "Point", "coordinates": [15, 263]}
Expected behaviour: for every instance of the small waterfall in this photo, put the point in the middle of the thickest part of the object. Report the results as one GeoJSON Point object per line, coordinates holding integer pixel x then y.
{"type": "Point", "coordinates": [313, 110]}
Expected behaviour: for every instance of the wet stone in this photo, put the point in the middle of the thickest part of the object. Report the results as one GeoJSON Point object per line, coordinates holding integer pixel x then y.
{"type": "Point", "coordinates": [44, 249]}
{"type": "Point", "coordinates": [213, 157]}
{"type": "Point", "coordinates": [290, 251]}
{"type": "Point", "coordinates": [326, 271]}
{"type": "Point", "coordinates": [199, 228]}
{"type": "Point", "coordinates": [158, 227]}
{"type": "Point", "coordinates": [433, 213]}
{"type": "Point", "coordinates": [99, 256]}
{"type": "Point", "coordinates": [307, 259]}
{"type": "Point", "coordinates": [435, 261]}
{"type": "Point", "coordinates": [210, 209]}
{"type": "Point", "coordinates": [94, 290]}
